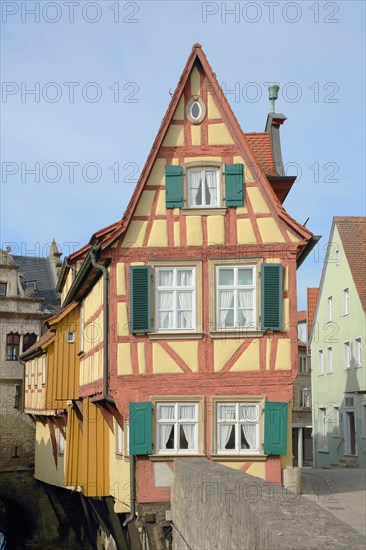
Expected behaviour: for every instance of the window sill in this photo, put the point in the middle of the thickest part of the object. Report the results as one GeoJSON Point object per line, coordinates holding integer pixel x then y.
{"type": "Point", "coordinates": [330, 372]}
{"type": "Point", "coordinates": [323, 451]}
{"type": "Point", "coordinates": [165, 457]}
{"type": "Point", "coordinates": [202, 211]}
{"type": "Point", "coordinates": [238, 457]}
{"type": "Point", "coordinates": [175, 335]}
{"type": "Point", "coordinates": [236, 333]}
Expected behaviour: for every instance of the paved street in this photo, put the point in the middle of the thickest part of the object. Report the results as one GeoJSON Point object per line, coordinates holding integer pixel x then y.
{"type": "Point", "coordinates": [341, 491]}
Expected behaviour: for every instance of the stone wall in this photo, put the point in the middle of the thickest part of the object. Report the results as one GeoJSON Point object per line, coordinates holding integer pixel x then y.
{"type": "Point", "coordinates": [17, 431]}
{"type": "Point", "coordinates": [214, 506]}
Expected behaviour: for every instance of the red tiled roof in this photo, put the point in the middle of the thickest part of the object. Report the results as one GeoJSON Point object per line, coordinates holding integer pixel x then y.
{"type": "Point", "coordinates": [312, 300]}
{"type": "Point", "coordinates": [352, 230]}
{"type": "Point", "coordinates": [260, 144]}
{"type": "Point", "coordinates": [301, 316]}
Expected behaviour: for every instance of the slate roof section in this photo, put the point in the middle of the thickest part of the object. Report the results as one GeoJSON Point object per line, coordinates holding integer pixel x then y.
{"type": "Point", "coordinates": [260, 144]}
{"type": "Point", "coordinates": [40, 270]}
{"type": "Point", "coordinates": [312, 301]}
{"type": "Point", "coordinates": [352, 230]}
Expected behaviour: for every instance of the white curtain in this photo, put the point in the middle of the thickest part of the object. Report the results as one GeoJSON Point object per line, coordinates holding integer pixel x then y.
{"type": "Point", "coordinates": [165, 309]}
{"type": "Point", "coordinates": [211, 187]}
{"type": "Point", "coordinates": [245, 307]}
{"type": "Point", "coordinates": [187, 412]}
{"type": "Point", "coordinates": [249, 412]}
{"type": "Point", "coordinates": [184, 277]}
{"type": "Point", "coordinates": [195, 187]}
{"type": "Point", "coordinates": [226, 301]}
{"type": "Point", "coordinates": [227, 414]}
{"type": "Point", "coordinates": [185, 309]}
{"type": "Point", "coordinates": [165, 277]}
{"type": "Point", "coordinates": [166, 412]}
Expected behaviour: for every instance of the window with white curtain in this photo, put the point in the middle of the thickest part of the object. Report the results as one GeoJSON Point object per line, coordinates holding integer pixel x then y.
{"type": "Point", "coordinates": [236, 297]}
{"type": "Point", "coordinates": [322, 429]}
{"type": "Point", "coordinates": [175, 298]}
{"type": "Point", "coordinates": [203, 186]}
{"type": "Point", "coordinates": [358, 352]}
{"type": "Point", "coordinates": [347, 355]}
{"type": "Point", "coordinates": [176, 427]}
{"type": "Point", "coordinates": [329, 360]}
{"type": "Point", "coordinates": [60, 441]}
{"type": "Point", "coordinates": [238, 428]}
{"type": "Point", "coordinates": [43, 377]}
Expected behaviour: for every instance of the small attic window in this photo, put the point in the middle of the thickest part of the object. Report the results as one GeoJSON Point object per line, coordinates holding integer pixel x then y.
{"type": "Point", "coordinates": [195, 110]}
{"type": "Point", "coordinates": [31, 284]}
{"type": "Point", "coordinates": [3, 289]}
{"type": "Point", "coordinates": [70, 337]}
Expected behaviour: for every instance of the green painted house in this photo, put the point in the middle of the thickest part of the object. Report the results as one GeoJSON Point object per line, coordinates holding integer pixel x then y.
{"type": "Point", "coordinates": [337, 341]}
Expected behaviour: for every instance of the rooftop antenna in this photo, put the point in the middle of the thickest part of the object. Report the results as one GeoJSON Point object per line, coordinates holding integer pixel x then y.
{"type": "Point", "coordinates": [273, 95]}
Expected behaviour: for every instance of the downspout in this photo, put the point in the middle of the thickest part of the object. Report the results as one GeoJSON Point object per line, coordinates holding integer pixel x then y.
{"type": "Point", "coordinates": [93, 255]}
{"type": "Point", "coordinates": [132, 515]}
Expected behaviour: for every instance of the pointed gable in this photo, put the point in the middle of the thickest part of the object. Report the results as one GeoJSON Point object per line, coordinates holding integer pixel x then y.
{"type": "Point", "coordinates": [216, 138]}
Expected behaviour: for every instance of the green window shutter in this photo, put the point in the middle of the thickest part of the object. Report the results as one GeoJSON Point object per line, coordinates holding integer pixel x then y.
{"type": "Point", "coordinates": [174, 186]}
{"type": "Point", "coordinates": [234, 184]}
{"type": "Point", "coordinates": [271, 314]}
{"type": "Point", "coordinates": [140, 298]}
{"type": "Point", "coordinates": [275, 428]}
{"type": "Point", "coordinates": [140, 424]}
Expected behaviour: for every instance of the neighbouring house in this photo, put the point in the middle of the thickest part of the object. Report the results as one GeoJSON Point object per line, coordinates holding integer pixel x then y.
{"type": "Point", "coordinates": [27, 297]}
{"type": "Point", "coordinates": [175, 337]}
{"type": "Point", "coordinates": [302, 445]}
{"type": "Point", "coordinates": [338, 349]}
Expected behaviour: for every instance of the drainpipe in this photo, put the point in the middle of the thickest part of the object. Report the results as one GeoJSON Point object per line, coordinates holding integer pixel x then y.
{"type": "Point", "coordinates": [93, 255]}
{"type": "Point", "coordinates": [131, 517]}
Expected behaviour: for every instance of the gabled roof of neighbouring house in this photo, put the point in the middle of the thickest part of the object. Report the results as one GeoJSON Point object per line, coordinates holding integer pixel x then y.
{"type": "Point", "coordinates": [352, 231]}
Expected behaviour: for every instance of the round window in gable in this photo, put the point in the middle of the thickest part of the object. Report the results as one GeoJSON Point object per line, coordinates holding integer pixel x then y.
{"type": "Point", "coordinates": [195, 110]}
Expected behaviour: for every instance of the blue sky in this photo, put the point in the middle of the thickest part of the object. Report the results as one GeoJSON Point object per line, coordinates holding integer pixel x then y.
{"type": "Point", "coordinates": [134, 53]}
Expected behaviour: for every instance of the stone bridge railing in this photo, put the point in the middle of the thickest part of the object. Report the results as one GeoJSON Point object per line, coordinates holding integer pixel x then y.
{"type": "Point", "coordinates": [216, 507]}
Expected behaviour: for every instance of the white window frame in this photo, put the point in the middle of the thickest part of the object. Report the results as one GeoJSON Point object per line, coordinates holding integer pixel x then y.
{"type": "Point", "coordinates": [304, 397]}
{"type": "Point", "coordinates": [357, 349]}
{"type": "Point", "coordinates": [237, 426]}
{"type": "Point", "coordinates": [70, 336]}
{"type": "Point", "coordinates": [336, 421]}
{"type": "Point", "coordinates": [30, 367]}
{"type": "Point", "coordinates": [60, 440]}
{"type": "Point", "coordinates": [119, 439]}
{"type": "Point", "coordinates": [175, 289]}
{"type": "Point", "coordinates": [36, 373]}
{"type": "Point", "coordinates": [320, 362]}
{"type": "Point", "coordinates": [176, 422]}
{"type": "Point", "coordinates": [347, 355]}
{"type": "Point", "coordinates": [322, 428]}
{"type": "Point", "coordinates": [330, 360]}
{"type": "Point", "coordinates": [235, 288]}
{"type": "Point", "coordinates": [345, 302]}
{"type": "Point", "coordinates": [330, 309]}
{"type": "Point", "coordinates": [303, 361]}
{"type": "Point", "coordinates": [43, 377]}
{"type": "Point", "coordinates": [189, 171]}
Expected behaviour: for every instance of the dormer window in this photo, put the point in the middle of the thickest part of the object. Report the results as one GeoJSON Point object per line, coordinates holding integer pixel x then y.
{"type": "Point", "coordinates": [203, 186]}
{"type": "Point", "coordinates": [3, 289]}
{"type": "Point", "coordinates": [31, 284]}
